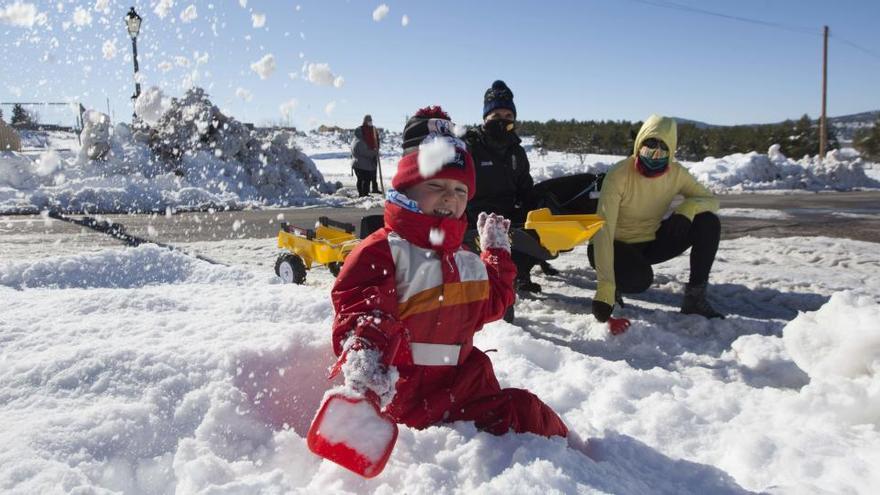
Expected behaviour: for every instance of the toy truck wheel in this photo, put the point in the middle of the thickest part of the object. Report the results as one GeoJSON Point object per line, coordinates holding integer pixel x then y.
{"type": "Point", "coordinates": [291, 269]}
{"type": "Point", "coordinates": [335, 268]}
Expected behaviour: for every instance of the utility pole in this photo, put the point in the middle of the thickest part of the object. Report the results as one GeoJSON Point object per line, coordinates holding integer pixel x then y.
{"type": "Point", "coordinates": [823, 122]}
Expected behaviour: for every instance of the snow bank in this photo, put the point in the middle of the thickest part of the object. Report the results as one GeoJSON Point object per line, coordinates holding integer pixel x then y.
{"type": "Point", "coordinates": [754, 171]}
{"type": "Point", "coordinates": [842, 170]}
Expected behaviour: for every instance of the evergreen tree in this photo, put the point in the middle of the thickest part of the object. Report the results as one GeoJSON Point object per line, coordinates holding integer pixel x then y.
{"type": "Point", "coordinates": [20, 116]}
{"type": "Point", "coordinates": [867, 142]}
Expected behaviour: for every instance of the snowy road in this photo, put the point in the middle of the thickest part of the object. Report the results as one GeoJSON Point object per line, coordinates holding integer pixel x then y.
{"type": "Point", "coordinates": [852, 215]}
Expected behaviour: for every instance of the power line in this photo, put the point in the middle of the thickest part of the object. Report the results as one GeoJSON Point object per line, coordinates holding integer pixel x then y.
{"type": "Point", "coordinates": [787, 27]}
{"type": "Point", "coordinates": [695, 10]}
{"type": "Point", "coordinates": [857, 47]}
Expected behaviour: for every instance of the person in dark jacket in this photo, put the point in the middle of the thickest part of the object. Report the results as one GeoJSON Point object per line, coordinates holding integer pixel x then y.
{"type": "Point", "coordinates": [504, 182]}
{"type": "Point", "coordinates": [365, 156]}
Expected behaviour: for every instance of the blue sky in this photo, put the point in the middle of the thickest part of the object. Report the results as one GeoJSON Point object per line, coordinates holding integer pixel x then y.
{"type": "Point", "coordinates": [589, 59]}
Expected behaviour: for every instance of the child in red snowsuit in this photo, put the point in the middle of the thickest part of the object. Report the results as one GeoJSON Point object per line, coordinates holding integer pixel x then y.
{"type": "Point", "coordinates": [409, 298]}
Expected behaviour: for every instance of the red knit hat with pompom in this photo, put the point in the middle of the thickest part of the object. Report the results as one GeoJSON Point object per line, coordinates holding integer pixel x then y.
{"type": "Point", "coordinates": [433, 123]}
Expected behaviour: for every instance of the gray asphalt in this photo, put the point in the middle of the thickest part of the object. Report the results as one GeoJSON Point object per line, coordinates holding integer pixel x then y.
{"type": "Point", "coordinates": [852, 215]}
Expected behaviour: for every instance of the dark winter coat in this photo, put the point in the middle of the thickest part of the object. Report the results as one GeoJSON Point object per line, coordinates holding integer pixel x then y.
{"type": "Point", "coordinates": [362, 157]}
{"type": "Point", "coordinates": [504, 183]}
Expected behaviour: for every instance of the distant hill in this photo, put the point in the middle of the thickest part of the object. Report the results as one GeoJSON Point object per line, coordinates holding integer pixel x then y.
{"type": "Point", "coordinates": [863, 118]}
{"type": "Point", "coordinates": [844, 125]}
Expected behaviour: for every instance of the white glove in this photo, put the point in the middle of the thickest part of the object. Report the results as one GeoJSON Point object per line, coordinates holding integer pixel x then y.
{"type": "Point", "coordinates": [492, 230]}
{"type": "Point", "coordinates": [364, 371]}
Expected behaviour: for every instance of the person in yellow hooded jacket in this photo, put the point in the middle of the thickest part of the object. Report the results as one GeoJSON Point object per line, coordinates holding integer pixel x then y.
{"type": "Point", "coordinates": [635, 197]}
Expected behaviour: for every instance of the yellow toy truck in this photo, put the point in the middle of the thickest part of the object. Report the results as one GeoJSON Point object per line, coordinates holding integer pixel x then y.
{"type": "Point", "coordinates": [327, 244]}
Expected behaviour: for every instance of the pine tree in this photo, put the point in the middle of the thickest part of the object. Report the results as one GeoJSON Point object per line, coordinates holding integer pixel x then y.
{"type": "Point", "coordinates": [20, 116]}
{"type": "Point", "coordinates": [868, 142]}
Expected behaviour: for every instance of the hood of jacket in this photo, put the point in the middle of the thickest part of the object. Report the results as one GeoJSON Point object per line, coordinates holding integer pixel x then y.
{"type": "Point", "coordinates": [662, 128]}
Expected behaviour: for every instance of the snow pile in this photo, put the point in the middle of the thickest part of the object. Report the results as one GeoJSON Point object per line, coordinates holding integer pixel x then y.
{"type": "Point", "coordinates": [839, 348]}
{"type": "Point", "coordinates": [194, 157]}
{"type": "Point", "coordinates": [841, 170]}
{"type": "Point", "coordinates": [772, 171]}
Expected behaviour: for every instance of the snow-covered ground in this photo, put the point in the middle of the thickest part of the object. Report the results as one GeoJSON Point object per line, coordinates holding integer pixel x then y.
{"type": "Point", "coordinates": [144, 371]}
{"type": "Point", "coordinates": [52, 174]}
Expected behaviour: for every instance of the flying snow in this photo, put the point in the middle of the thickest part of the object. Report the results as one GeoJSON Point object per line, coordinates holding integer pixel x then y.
{"type": "Point", "coordinates": [19, 15]}
{"type": "Point", "coordinates": [380, 12]}
{"type": "Point", "coordinates": [244, 94]}
{"type": "Point", "coordinates": [81, 17]}
{"type": "Point", "coordinates": [330, 108]}
{"type": "Point", "coordinates": [163, 8]}
{"type": "Point", "coordinates": [436, 236]}
{"type": "Point", "coordinates": [259, 20]}
{"type": "Point", "coordinates": [189, 14]}
{"type": "Point", "coordinates": [265, 66]}
{"type": "Point", "coordinates": [404, 21]}
{"type": "Point", "coordinates": [433, 155]}
{"type": "Point", "coordinates": [320, 74]}
{"type": "Point", "coordinates": [102, 6]}
{"type": "Point", "coordinates": [150, 105]}
{"type": "Point", "coordinates": [109, 49]}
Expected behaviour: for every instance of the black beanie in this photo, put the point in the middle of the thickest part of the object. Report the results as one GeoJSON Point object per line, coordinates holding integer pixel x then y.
{"type": "Point", "coordinates": [424, 122]}
{"type": "Point", "coordinates": [498, 96]}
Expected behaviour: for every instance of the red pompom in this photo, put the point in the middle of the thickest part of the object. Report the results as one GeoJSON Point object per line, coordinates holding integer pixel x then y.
{"type": "Point", "coordinates": [433, 112]}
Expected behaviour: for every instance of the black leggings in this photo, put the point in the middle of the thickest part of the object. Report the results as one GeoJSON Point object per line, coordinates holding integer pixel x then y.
{"type": "Point", "coordinates": [632, 262]}
{"type": "Point", "coordinates": [364, 179]}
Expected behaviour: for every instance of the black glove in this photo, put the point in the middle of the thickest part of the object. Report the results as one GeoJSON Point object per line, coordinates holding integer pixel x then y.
{"type": "Point", "coordinates": [601, 310]}
{"type": "Point", "coordinates": [679, 226]}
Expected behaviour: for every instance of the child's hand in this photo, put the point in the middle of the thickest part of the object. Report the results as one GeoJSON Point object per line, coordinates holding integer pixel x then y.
{"type": "Point", "coordinates": [364, 372]}
{"type": "Point", "coordinates": [492, 230]}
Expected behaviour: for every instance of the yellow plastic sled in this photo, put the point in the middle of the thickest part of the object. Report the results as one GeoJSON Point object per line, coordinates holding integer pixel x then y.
{"type": "Point", "coordinates": [328, 244]}
{"type": "Point", "coordinates": [562, 232]}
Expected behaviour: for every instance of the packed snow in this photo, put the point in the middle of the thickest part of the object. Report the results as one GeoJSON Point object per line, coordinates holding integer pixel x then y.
{"type": "Point", "coordinates": [143, 370]}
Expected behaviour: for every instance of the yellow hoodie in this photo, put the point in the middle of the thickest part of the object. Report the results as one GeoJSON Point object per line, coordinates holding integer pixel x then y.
{"type": "Point", "coordinates": [634, 205]}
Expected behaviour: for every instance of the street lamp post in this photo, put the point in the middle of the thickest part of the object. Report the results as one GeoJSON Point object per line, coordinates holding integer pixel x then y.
{"type": "Point", "coordinates": [133, 23]}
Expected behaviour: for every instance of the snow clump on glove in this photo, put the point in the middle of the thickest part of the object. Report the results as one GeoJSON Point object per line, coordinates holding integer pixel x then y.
{"type": "Point", "coordinates": [492, 230]}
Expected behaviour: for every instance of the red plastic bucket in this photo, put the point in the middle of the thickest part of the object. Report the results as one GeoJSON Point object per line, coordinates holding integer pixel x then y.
{"type": "Point", "coordinates": [352, 432]}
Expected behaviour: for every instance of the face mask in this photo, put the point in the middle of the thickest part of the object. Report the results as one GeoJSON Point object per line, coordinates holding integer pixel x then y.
{"type": "Point", "coordinates": [499, 129]}
{"type": "Point", "coordinates": [653, 159]}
